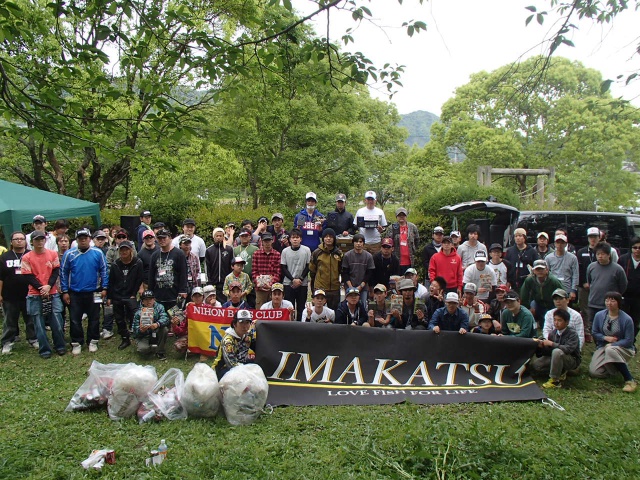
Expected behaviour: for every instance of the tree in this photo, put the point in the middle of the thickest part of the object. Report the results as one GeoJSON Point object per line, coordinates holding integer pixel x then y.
{"type": "Point", "coordinates": [86, 81]}
{"type": "Point", "coordinates": [567, 122]}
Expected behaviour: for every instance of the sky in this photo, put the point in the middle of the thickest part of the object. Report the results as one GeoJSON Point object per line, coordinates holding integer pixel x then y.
{"type": "Point", "coordinates": [468, 36]}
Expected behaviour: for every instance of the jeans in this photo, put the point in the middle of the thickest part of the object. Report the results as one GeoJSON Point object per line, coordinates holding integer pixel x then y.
{"type": "Point", "coordinates": [82, 302]}
{"type": "Point", "coordinates": [10, 329]}
{"type": "Point", "coordinates": [107, 318]}
{"type": "Point", "coordinates": [298, 297]}
{"type": "Point", "coordinates": [123, 311]}
{"type": "Point", "coordinates": [54, 319]}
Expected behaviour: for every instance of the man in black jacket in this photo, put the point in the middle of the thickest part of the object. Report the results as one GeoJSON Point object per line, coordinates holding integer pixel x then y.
{"type": "Point", "coordinates": [431, 248]}
{"type": "Point", "coordinates": [126, 274]}
{"type": "Point", "coordinates": [218, 262]}
{"type": "Point", "coordinates": [385, 263]}
{"type": "Point", "coordinates": [521, 256]}
{"type": "Point", "coordinates": [630, 262]}
{"type": "Point", "coordinates": [340, 220]}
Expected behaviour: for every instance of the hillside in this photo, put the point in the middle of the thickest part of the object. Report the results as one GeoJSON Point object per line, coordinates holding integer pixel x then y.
{"type": "Point", "coordinates": [419, 126]}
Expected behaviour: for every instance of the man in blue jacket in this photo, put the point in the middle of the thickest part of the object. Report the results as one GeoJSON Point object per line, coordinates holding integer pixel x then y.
{"type": "Point", "coordinates": [84, 280]}
{"type": "Point", "coordinates": [450, 317]}
{"type": "Point", "coordinates": [311, 222]}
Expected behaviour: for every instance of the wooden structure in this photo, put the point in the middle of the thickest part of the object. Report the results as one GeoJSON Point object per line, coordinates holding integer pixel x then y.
{"type": "Point", "coordinates": [485, 173]}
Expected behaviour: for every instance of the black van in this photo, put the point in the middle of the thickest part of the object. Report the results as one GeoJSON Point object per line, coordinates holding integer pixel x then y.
{"type": "Point", "coordinates": [498, 227]}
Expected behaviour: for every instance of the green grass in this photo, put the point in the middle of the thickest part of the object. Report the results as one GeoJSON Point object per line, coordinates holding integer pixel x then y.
{"type": "Point", "coordinates": [596, 437]}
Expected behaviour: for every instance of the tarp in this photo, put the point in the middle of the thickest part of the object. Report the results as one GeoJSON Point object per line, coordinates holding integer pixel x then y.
{"type": "Point", "coordinates": [324, 364]}
{"type": "Point", "coordinates": [19, 204]}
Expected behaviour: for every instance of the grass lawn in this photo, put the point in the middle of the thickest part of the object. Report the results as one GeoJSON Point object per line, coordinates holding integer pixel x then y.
{"type": "Point", "coordinates": [596, 437]}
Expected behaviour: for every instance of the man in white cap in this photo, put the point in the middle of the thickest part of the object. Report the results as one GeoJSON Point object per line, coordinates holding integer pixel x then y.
{"type": "Point", "coordinates": [542, 245]}
{"type": "Point", "coordinates": [371, 222]}
{"type": "Point", "coordinates": [479, 274]}
{"type": "Point", "coordinates": [310, 222]}
{"type": "Point", "coordinates": [433, 247]}
{"type": "Point", "coordinates": [40, 225]}
{"type": "Point", "coordinates": [586, 256]}
{"type": "Point", "coordinates": [405, 238]}
{"type": "Point", "coordinates": [451, 317]}
{"type": "Point", "coordinates": [564, 266]}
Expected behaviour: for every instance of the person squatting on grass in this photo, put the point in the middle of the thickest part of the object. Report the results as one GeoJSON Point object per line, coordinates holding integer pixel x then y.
{"type": "Point", "coordinates": [236, 343]}
{"type": "Point", "coordinates": [150, 326]}
{"type": "Point", "coordinates": [613, 333]}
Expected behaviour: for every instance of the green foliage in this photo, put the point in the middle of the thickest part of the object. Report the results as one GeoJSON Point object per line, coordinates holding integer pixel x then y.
{"type": "Point", "coordinates": [418, 124]}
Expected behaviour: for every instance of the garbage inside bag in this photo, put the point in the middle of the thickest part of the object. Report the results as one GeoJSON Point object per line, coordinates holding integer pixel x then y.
{"type": "Point", "coordinates": [201, 395]}
{"type": "Point", "coordinates": [244, 394]}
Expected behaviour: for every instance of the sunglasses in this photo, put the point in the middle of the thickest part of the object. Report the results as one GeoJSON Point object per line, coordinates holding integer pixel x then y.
{"type": "Point", "coordinates": [121, 236]}
{"type": "Point", "coordinates": [386, 246]}
{"type": "Point", "coordinates": [635, 248]}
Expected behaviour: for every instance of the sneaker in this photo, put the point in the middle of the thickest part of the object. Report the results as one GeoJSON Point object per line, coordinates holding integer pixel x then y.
{"type": "Point", "coordinates": [107, 334]}
{"type": "Point", "coordinates": [93, 346]}
{"type": "Point", "coordinates": [35, 344]}
{"type": "Point", "coordinates": [76, 348]}
{"type": "Point", "coordinates": [125, 343]}
{"type": "Point", "coordinates": [6, 348]}
{"type": "Point", "coordinates": [62, 352]}
{"type": "Point", "coordinates": [161, 356]}
{"type": "Point", "coordinates": [45, 356]}
{"type": "Point", "coordinates": [630, 386]}
{"type": "Point", "coordinates": [552, 383]}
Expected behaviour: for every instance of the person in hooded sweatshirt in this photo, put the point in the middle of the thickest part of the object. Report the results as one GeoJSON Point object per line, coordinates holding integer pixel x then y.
{"type": "Point", "coordinates": [236, 343]}
{"type": "Point", "coordinates": [468, 249]}
{"type": "Point", "coordinates": [311, 222]}
{"type": "Point", "coordinates": [448, 265]}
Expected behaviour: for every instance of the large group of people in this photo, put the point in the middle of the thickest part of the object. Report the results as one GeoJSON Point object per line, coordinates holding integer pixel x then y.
{"type": "Point", "coordinates": [357, 269]}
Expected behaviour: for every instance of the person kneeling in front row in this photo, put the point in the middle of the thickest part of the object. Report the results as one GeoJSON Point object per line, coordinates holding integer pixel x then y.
{"type": "Point", "coordinates": [559, 352]}
{"type": "Point", "coordinates": [236, 343]}
{"type": "Point", "coordinates": [150, 326]}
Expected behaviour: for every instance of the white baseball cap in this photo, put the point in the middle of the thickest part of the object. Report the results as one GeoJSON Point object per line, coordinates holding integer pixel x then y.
{"type": "Point", "coordinates": [452, 297]}
{"type": "Point", "coordinates": [370, 194]}
{"type": "Point", "coordinates": [593, 231]}
{"type": "Point", "coordinates": [311, 195]}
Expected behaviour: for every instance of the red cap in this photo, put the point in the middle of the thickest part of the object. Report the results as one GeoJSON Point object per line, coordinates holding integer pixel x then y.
{"type": "Point", "coordinates": [387, 241]}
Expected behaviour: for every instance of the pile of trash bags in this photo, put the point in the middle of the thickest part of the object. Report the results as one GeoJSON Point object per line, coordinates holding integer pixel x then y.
{"type": "Point", "coordinates": [128, 390]}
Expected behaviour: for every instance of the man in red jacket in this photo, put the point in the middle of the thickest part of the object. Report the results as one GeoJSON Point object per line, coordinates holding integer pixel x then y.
{"type": "Point", "coordinates": [448, 265]}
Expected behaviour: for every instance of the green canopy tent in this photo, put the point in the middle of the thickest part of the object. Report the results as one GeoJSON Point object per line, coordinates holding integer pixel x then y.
{"type": "Point", "coordinates": [19, 204]}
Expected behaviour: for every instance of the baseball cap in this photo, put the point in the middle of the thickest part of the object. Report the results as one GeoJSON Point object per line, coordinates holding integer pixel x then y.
{"type": "Point", "coordinates": [122, 231]}
{"type": "Point", "coordinates": [184, 239]}
{"type": "Point", "coordinates": [480, 256]}
{"type": "Point", "coordinates": [543, 234]}
{"type": "Point", "coordinates": [83, 232]}
{"type": "Point", "coordinates": [145, 213]}
{"type": "Point", "coordinates": [405, 284]}
{"type": "Point", "coordinates": [208, 290]}
{"type": "Point", "coordinates": [447, 239]}
{"type": "Point", "coordinates": [233, 285]}
{"type": "Point", "coordinates": [163, 233]}
{"type": "Point", "coordinates": [197, 291]}
{"type": "Point", "coordinates": [381, 287]}
{"type": "Point", "coordinates": [148, 233]}
{"type": "Point", "coordinates": [38, 234]}
{"type": "Point", "coordinates": [311, 195]}
{"type": "Point", "coordinates": [341, 197]}
{"type": "Point", "coordinates": [99, 234]}
{"type": "Point", "coordinates": [238, 260]}
{"type": "Point", "coordinates": [39, 218]}
{"type": "Point", "coordinates": [560, 292]}
{"type": "Point", "coordinates": [387, 241]}
{"type": "Point", "coordinates": [401, 210]}
{"type": "Point", "coordinates": [520, 231]}
{"type": "Point", "coordinates": [370, 194]}
{"type": "Point", "coordinates": [277, 215]}
{"type": "Point", "coordinates": [562, 237]}
{"type": "Point", "coordinates": [244, 231]}
{"type": "Point", "coordinates": [495, 246]}
{"type": "Point", "coordinates": [263, 219]}
{"type": "Point", "coordinates": [502, 287]}
{"type": "Point", "coordinates": [277, 286]}
{"type": "Point", "coordinates": [485, 316]}
{"type": "Point", "coordinates": [451, 297]}
{"type": "Point", "coordinates": [244, 316]}
{"type": "Point", "coordinates": [126, 244]}
{"type": "Point", "coordinates": [352, 290]}
{"type": "Point", "coordinates": [412, 271]}
{"type": "Point", "coordinates": [267, 236]}
{"type": "Point", "coordinates": [593, 231]}
{"type": "Point", "coordinates": [159, 225]}
{"type": "Point", "coordinates": [540, 264]}
{"type": "Point", "coordinates": [438, 229]}
{"type": "Point", "coordinates": [319, 292]}
{"type": "Point", "coordinates": [471, 287]}
{"type": "Point", "coordinates": [147, 294]}
{"type": "Point", "coordinates": [455, 233]}
{"type": "Point", "coordinates": [189, 221]}
{"type": "Point", "coordinates": [511, 295]}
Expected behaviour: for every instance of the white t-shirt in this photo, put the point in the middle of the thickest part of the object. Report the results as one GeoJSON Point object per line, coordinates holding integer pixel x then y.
{"type": "Point", "coordinates": [50, 243]}
{"type": "Point", "coordinates": [485, 279]}
{"type": "Point", "coordinates": [371, 235]}
{"type": "Point", "coordinates": [198, 248]}
{"type": "Point", "coordinates": [327, 314]}
{"type": "Point", "coordinates": [285, 304]}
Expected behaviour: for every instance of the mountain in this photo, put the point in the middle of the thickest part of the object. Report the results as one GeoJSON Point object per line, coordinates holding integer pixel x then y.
{"type": "Point", "coordinates": [419, 126]}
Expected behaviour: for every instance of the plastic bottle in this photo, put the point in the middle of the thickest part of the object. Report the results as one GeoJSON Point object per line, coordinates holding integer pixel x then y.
{"type": "Point", "coordinates": [162, 448]}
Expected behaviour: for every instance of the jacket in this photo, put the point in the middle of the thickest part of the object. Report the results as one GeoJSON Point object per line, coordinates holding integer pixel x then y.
{"type": "Point", "coordinates": [325, 267]}
{"type": "Point", "coordinates": [520, 260]}
{"type": "Point", "coordinates": [343, 315]}
{"type": "Point", "coordinates": [413, 239]}
{"type": "Point", "coordinates": [568, 342]}
{"type": "Point", "coordinates": [541, 293]}
{"type": "Point", "coordinates": [124, 286]}
{"type": "Point", "coordinates": [449, 322]}
{"type": "Point", "coordinates": [626, 338]}
{"type": "Point", "coordinates": [218, 262]}
{"type": "Point", "coordinates": [341, 221]}
{"type": "Point", "coordinates": [159, 316]}
{"type": "Point", "coordinates": [633, 274]}
{"type": "Point", "coordinates": [448, 267]}
{"type": "Point", "coordinates": [84, 271]}
{"type": "Point", "coordinates": [311, 231]}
